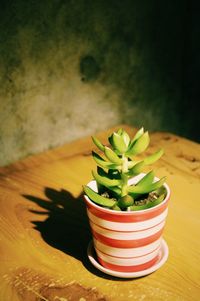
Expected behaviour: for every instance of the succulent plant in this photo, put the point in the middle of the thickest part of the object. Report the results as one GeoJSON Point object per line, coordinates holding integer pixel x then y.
{"type": "Point", "coordinates": [117, 166]}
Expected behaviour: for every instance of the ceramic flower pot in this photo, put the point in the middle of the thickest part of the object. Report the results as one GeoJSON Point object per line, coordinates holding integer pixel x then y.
{"type": "Point", "coordinates": [127, 241]}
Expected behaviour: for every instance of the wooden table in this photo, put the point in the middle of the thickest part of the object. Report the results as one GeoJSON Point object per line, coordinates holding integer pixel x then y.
{"type": "Point", "coordinates": [44, 230]}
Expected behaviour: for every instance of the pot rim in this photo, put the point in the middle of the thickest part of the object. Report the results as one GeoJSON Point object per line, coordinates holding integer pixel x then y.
{"type": "Point", "coordinates": [92, 184]}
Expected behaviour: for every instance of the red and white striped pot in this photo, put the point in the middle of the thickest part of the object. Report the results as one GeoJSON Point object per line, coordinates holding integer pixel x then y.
{"type": "Point", "coordinates": [127, 241]}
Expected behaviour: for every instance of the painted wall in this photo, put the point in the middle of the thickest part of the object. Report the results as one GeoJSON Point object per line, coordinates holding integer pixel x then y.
{"type": "Point", "coordinates": [71, 68]}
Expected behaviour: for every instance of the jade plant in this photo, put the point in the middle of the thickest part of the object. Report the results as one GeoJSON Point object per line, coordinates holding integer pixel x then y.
{"type": "Point", "coordinates": [118, 164]}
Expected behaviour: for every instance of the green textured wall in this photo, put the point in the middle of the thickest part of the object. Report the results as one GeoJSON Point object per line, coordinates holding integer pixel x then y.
{"type": "Point", "coordinates": [71, 68]}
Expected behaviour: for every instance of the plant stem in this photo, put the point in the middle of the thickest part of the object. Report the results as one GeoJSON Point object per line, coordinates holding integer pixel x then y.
{"type": "Point", "coordinates": [124, 164]}
{"type": "Point", "coordinates": [124, 177]}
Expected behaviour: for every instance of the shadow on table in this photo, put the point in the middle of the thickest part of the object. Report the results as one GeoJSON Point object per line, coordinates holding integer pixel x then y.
{"type": "Point", "coordinates": [66, 227]}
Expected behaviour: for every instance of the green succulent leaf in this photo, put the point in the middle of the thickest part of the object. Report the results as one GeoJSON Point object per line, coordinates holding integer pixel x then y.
{"type": "Point", "coordinates": [115, 191]}
{"type": "Point", "coordinates": [105, 181]}
{"type": "Point", "coordinates": [154, 157]}
{"type": "Point", "coordinates": [117, 208]}
{"type": "Point", "coordinates": [136, 169]}
{"type": "Point", "coordinates": [118, 143]}
{"type": "Point", "coordinates": [148, 205]}
{"type": "Point", "coordinates": [147, 179]}
{"type": "Point", "coordinates": [98, 199]}
{"type": "Point", "coordinates": [101, 162]}
{"type": "Point", "coordinates": [120, 131]}
{"type": "Point", "coordinates": [110, 139]}
{"type": "Point", "coordinates": [142, 189]}
{"type": "Point", "coordinates": [125, 137]}
{"type": "Point", "coordinates": [138, 134]}
{"type": "Point", "coordinates": [112, 176]}
{"type": "Point", "coordinates": [112, 156]}
{"type": "Point", "coordinates": [139, 145]}
{"type": "Point", "coordinates": [98, 143]}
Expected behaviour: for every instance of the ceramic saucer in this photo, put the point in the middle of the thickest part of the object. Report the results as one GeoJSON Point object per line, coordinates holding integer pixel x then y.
{"type": "Point", "coordinates": [163, 255]}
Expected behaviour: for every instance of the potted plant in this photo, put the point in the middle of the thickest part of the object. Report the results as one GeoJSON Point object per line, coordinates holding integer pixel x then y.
{"type": "Point", "coordinates": [126, 207]}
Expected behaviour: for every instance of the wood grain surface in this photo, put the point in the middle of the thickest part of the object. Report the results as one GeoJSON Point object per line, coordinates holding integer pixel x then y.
{"type": "Point", "coordinates": [44, 231]}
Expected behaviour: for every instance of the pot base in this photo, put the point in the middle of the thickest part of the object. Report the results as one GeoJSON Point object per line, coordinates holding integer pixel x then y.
{"type": "Point", "coordinates": [162, 258]}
